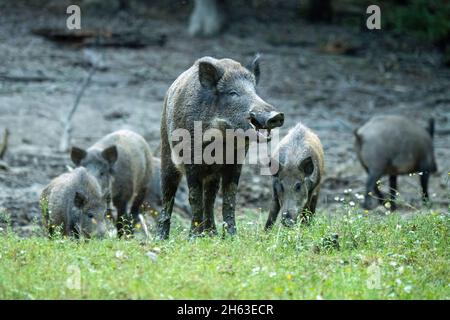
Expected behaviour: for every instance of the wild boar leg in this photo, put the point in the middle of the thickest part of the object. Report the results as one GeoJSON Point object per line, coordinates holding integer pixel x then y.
{"type": "Point", "coordinates": [378, 193]}
{"type": "Point", "coordinates": [122, 221]}
{"type": "Point", "coordinates": [211, 188]}
{"type": "Point", "coordinates": [136, 206]}
{"type": "Point", "coordinates": [424, 183]}
{"type": "Point", "coordinates": [273, 213]}
{"type": "Point", "coordinates": [393, 191]}
{"type": "Point", "coordinates": [371, 185]}
{"type": "Point", "coordinates": [195, 185]}
{"type": "Point", "coordinates": [310, 208]}
{"type": "Point", "coordinates": [230, 181]}
{"type": "Point", "coordinates": [170, 178]}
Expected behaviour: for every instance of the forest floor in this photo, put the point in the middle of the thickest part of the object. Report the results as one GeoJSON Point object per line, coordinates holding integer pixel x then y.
{"type": "Point", "coordinates": [331, 93]}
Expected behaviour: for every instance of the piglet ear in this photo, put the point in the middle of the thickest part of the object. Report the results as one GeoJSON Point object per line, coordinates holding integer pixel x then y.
{"type": "Point", "coordinates": [274, 167]}
{"type": "Point", "coordinates": [110, 155]}
{"type": "Point", "coordinates": [77, 155]}
{"type": "Point", "coordinates": [253, 66]}
{"type": "Point", "coordinates": [307, 166]}
{"type": "Point", "coordinates": [80, 200]}
{"type": "Point", "coordinates": [208, 74]}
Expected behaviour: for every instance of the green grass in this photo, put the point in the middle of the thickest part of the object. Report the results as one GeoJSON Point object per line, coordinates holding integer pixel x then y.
{"type": "Point", "coordinates": [378, 258]}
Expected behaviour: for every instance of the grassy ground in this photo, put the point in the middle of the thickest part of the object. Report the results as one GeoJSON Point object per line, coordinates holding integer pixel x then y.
{"type": "Point", "coordinates": [374, 258]}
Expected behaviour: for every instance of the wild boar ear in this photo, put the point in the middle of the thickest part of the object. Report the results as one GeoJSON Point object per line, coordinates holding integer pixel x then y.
{"type": "Point", "coordinates": [307, 166]}
{"type": "Point", "coordinates": [208, 74]}
{"type": "Point", "coordinates": [77, 154]}
{"type": "Point", "coordinates": [274, 167]}
{"type": "Point", "coordinates": [79, 200]}
{"type": "Point", "coordinates": [254, 67]}
{"type": "Point", "coordinates": [110, 155]}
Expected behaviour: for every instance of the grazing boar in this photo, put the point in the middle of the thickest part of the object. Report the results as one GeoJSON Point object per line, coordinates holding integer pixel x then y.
{"type": "Point", "coordinates": [394, 145]}
{"type": "Point", "coordinates": [74, 202]}
{"type": "Point", "coordinates": [221, 95]}
{"type": "Point", "coordinates": [296, 183]}
{"type": "Point", "coordinates": [122, 163]}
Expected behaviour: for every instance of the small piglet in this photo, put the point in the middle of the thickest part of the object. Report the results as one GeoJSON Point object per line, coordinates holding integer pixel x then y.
{"type": "Point", "coordinates": [296, 179]}
{"type": "Point", "coordinates": [394, 145]}
{"type": "Point", "coordinates": [122, 163]}
{"type": "Point", "coordinates": [74, 202]}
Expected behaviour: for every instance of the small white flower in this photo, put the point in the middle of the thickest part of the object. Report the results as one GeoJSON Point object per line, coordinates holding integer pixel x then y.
{"type": "Point", "coordinates": [119, 254]}
{"type": "Point", "coordinates": [351, 203]}
{"type": "Point", "coordinates": [359, 196]}
{"type": "Point", "coordinates": [407, 288]}
{"type": "Point", "coordinates": [156, 250]}
{"type": "Point", "coordinates": [272, 274]}
{"type": "Point", "coordinates": [153, 256]}
{"type": "Point", "coordinates": [336, 198]}
{"type": "Point", "coordinates": [256, 270]}
{"type": "Point", "coordinates": [398, 281]}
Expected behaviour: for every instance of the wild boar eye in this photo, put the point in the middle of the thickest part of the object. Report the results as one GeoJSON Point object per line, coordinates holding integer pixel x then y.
{"type": "Point", "coordinates": [298, 187]}
{"type": "Point", "coordinates": [233, 93]}
{"type": "Point", "coordinates": [90, 215]}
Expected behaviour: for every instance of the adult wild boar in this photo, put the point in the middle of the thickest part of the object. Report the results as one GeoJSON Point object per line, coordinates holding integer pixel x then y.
{"type": "Point", "coordinates": [122, 163]}
{"type": "Point", "coordinates": [394, 145]}
{"type": "Point", "coordinates": [296, 183]}
{"type": "Point", "coordinates": [74, 202]}
{"type": "Point", "coordinates": [221, 95]}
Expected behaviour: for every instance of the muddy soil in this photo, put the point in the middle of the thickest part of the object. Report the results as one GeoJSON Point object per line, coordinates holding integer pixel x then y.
{"type": "Point", "coordinates": [331, 93]}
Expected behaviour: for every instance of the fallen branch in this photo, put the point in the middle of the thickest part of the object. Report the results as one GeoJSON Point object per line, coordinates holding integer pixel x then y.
{"type": "Point", "coordinates": [144, 226]}
{"type": "Point", "coordinates": [16, 78]}
{"type": "Point", "coordinates": [4, 144]}
{"type": "Point", "coordinates": [65, 138]}
{"type": "Point", "coordinates": [100, 38]}
{"type": "Point", "coordinates": [96, 63]}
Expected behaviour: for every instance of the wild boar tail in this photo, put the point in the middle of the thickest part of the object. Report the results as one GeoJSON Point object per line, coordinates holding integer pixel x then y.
{"type": "Point", "coordinates": [358, 137]}
{"type": "Point", "coordinates": [430, 127]}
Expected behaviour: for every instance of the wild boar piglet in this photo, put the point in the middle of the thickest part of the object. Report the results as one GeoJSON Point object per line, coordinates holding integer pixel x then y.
{"type": "Point", "coordinates": [297, 177]}
{"type": "Point", "coordinates": [122, 163]}
{"type": "Point", "coordinates": [73, 202]}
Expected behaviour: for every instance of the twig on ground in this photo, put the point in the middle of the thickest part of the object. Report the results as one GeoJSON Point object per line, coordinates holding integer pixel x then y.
{"type": "Point", "coordinates": [95, 62]}
{"type": "Point", "coordinates": [4, 144]}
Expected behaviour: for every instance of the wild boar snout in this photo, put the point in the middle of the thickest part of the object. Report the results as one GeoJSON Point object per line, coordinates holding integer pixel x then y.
{"type": "Point", "coordinates": [266, 119]}
{"type": "Point", "coordinates": [288, 220]}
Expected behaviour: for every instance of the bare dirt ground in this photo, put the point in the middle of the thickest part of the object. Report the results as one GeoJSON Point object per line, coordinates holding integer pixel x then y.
{"type": "Point", "coordinates": [331, 93]}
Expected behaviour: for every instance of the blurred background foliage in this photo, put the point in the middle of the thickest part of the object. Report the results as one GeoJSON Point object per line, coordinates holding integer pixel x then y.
{"type": "Point", "coordinates": [427, 19]}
